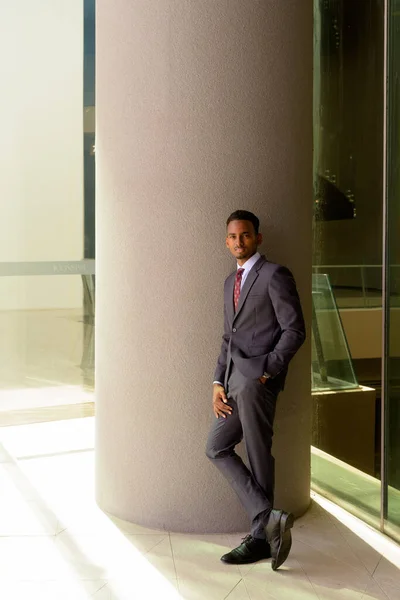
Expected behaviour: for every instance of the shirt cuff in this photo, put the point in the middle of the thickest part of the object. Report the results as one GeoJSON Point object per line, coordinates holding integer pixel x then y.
{"type": "Point", "coordinates": [219, 383]}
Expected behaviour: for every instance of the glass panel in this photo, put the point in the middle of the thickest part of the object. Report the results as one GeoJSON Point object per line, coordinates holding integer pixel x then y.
{"type": "Point", "coordinates": [47, 226]}
{"type": "Point", "coordinates": [393, 208]}
{"type": "Point", "coordinates": [347, 255]}
{"type": "Point", "coordinates": [332, 367]}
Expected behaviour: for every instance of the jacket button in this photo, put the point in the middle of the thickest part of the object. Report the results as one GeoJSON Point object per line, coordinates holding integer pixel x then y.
{"type": "Point", "coordinates": [234, 330]}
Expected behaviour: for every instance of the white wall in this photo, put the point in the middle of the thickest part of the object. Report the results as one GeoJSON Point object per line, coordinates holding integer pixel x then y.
{"type": "Point", "coordinates": [41, 147]}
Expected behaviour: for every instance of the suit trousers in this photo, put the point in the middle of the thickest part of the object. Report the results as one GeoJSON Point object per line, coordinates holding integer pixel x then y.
{"type": "Point", "coordinates": [253, 410]}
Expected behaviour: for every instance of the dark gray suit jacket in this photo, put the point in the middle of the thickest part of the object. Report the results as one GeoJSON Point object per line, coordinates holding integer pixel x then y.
{"type": "Point", "coordinates": [268, 327]}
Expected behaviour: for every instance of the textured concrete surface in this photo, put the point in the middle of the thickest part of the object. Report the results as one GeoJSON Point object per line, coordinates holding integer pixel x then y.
{"type": "Point", "coordinates": [202, 108]}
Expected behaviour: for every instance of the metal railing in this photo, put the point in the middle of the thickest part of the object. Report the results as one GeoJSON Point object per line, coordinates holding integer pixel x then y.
{"type": "Point", "coordinates": [360, 286]}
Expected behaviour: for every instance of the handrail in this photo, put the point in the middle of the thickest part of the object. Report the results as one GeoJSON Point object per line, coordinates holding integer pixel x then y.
{"type": "Point", "coordinates": [86, 266]}
{"type": "Point", "coordinates": [350, 266]}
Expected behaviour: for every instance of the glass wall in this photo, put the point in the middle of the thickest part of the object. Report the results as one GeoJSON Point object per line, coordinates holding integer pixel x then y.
{"type": "Point", "coordinates": [47, 225]}
{"type": "Point", "coordinates": [356, 448]}
{"type": "Point", "coordinates": [348, 213]}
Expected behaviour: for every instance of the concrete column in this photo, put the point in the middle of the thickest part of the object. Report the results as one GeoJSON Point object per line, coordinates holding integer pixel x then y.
{"type": "Point", "coordinates": [202, 108]}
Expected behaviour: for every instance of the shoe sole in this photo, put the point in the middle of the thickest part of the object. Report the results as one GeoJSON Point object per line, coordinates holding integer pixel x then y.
{"type": "Point", "coordinates": [286, 523]}
{"type": "Point", "coordinates": [245, 562]}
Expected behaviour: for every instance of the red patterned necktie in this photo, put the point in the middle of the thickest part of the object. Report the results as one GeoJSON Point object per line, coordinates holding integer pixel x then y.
{"type": "Point", "coordinates": [236, 289]}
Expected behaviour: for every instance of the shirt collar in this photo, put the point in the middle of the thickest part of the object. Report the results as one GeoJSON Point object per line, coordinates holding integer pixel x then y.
{"type": "Point", "coordinates": [249, 264]}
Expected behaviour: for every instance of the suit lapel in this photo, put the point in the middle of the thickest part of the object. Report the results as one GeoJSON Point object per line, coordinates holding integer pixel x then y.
{"type": "Point", "coordinates": [248, 284]}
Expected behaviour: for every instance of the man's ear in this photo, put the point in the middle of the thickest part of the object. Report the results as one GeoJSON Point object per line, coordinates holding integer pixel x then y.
{"type": "Point", "coordinates": [259, 239]}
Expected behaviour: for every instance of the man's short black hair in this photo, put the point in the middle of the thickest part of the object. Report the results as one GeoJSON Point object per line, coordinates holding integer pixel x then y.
{"type": "Point", "coordinates": [244, 215]}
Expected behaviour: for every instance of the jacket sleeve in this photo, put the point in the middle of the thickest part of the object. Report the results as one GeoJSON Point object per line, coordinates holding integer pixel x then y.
{"type": "Point", "coordinates": [220, 371]}
{"type": "Point", "coordinates": [286, 303]}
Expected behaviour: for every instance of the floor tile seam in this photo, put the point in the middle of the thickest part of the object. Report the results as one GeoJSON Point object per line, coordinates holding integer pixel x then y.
{"type": "Point", "coordinates": [379, 562]}
{"type": "Point", "coordinates": [359, 569]}
{"type": "Point", "coordinates": [59, 525]}
{"type": "Point", "coordinates": [246, 588]}
{"type": "Point", "coordinates": [234, 587]}
{"type": "Point", "coordinates": [362, 589]}
{"type": "Point", "coordinates": [342, 562]}
{"type": "Point", "coordinates": [348, 544]}
{"type": "Point", "coordinates": [309, 580]}
{"type": "Point", "coordinates": [360, 586]}
{"type": "Point", "coordinates": [387, 581]}
{"type": "Point", "coordinates": [152, 548]}
{"type": "Point", "coordinates": [366, 587]}
{"type": "Point", "coordinates": [173, 561]}
{"type": "Point", "coordinates": [344, 537]}
{"type": "Point", "coordinates": [249, 571]}
{"type": "Point", "coordinates": [97, 591]}
{"type": "Point", "coordinates": [315, 597]}
{"type": "Point", "coordinates": [323, 580]}
{"type": "Point", "coordinates": [383, 592]}
{"type": "Point", "coordinates": [61, 530]}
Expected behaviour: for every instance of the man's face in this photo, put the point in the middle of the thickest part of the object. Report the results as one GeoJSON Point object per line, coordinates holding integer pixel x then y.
{"type": "Point", "coordinates": [241, 240]}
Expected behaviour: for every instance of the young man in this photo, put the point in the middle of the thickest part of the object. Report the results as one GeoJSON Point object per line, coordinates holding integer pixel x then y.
{"type": "Point", "coordinates": [263, 329]}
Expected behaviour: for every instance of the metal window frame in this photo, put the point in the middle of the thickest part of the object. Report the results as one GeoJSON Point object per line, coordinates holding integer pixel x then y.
{"type": "Point", "coordinates": [385, 275]}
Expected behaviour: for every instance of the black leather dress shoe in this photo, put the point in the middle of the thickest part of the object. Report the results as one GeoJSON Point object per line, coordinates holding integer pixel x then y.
{"type": "Point", "coordinates": [279, 536]}
{"type": "Point", "coordinates": [250, 550]}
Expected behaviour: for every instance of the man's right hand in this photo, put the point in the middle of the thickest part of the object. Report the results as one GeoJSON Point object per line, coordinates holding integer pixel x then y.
{"type": "Point", "coordinates": [220, 406]}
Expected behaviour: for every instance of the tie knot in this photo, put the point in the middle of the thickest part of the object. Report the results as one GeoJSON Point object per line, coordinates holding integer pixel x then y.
{"type": "Point", "coordinates": [239, 273]}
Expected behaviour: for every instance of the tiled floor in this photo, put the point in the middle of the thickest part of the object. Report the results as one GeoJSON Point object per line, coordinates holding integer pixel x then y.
{"type": "Point", "coordinates": [55, 544]}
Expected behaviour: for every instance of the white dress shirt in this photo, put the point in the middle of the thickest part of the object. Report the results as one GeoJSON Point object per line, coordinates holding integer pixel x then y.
{"type": "Point", "coordinates": [248, 265]}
